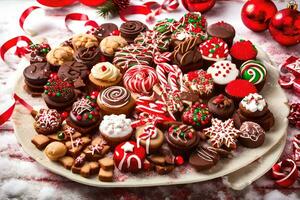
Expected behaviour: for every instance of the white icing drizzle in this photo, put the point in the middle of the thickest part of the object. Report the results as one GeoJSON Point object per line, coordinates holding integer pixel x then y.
{"type": "Point", "coordinates": [254, 102]}
{"type": "Point", "coordinates": [128, 147]}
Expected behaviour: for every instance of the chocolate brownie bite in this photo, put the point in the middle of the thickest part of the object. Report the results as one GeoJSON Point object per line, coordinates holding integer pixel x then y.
{"type": "Point", "coordinates": [85, 115]}
{"type": "Point", "coordinates": [59, 94]}
{"type": "Point", "coordinates": [222, 30]}
{"type": "Point", "coordinates": [221, 107]}
{"type": "Point", "coordinates": [36, 76]}
{"type": "Point", "coordinates": [88, 56]}
{"type": "Point", "coordinates": [131, 29]}
{"type": "Point", "coordinates": [252, 135]}
{"type": "Point", "coordinates": [104, 30]}
{"type": "Point", "coordinates": [47, 121]}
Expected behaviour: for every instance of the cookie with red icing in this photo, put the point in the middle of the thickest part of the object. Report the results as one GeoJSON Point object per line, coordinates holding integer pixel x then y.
{"type": "Point", "coordinates": [238, 89]}
{"type": "Point", "coordinates": [213, 50]}
{"type": "Point", "coordinates": [128, 157]}
{"type": "Point", "coordinates": [242, 51]}
{"type": "Point", "coordinates": [197, 115]}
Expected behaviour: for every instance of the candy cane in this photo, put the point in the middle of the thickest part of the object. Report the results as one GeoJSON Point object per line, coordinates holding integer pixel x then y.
{"type": "Point", "coordinates": [288, 178]}
{"type": "Point", "coordinates": [164, 57]}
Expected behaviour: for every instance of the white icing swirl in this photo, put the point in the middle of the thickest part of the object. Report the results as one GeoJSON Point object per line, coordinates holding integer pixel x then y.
{"type": "Point", "coordinates": [105, 71]}
{"type": "Point", "coordinates": [115, 126]}
{"type": "Point", "coordinates": [254, 102]}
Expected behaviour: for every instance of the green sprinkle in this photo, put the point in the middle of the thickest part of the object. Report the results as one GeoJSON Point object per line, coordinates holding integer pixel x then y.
{"type": "Point", "coordinates": [181, 135]}
{"type": "Point", "coordinates": [88, 97]}
{"type": "Point", "coordinates": [47, 83]}
{"type": "Point", "coordinates": [90, 116]}
{"type": "Point", "coordinates": [60, 135]}
{"type": "Point", "coordinates": [58, 94]}
{"type": "Point", "coordinates": [46, 91]}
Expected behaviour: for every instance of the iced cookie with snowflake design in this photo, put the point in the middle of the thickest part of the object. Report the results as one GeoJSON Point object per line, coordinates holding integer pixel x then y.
{"type": "Point", "coordinates": [85, 115]}
{"type": "Point", "coordinates": [222, 134]}
{"type": "Point", "coordinates": [182, 139]}
{"type": "Point", "coordinates": [150, 137]}
{"type": "Point", "coordinates": [223, 72]}
{"type": "Point", "coordinates": [128, 157]}
{"type": "Point", "coordinates": [197, 115]}
{"type": "Point", "coordinates": [252, 135]}
{"type": "Point", "coordinates": [253, 105]}
{"type": "Point", "coordinates": [115, 128]}
{"type": "Point", "coordinates": [199, 82]}
{"type": "Point", "coordinates": [204, 158]}
{"type": "Point", "coordinates": [47, 121]}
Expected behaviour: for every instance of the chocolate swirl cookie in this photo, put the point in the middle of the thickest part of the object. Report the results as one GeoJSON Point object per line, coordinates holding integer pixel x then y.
{"type": "Point", "coordinates": [187, 53]}
{"type": "Point", "coordinates": [73, 71]}
{"type": "Point", "coordinates": [104, 30]}
{"type": "Point", "coordinates": [131, 29]}
{"type": "Point", "coordinates": [88, 56]}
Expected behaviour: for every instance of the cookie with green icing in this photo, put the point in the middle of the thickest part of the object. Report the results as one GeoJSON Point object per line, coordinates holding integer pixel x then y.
{"type": "Point", "coordinates": [255, 72]}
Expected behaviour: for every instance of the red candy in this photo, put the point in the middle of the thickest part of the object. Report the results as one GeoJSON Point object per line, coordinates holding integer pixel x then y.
{"type": "Point", "coordinates": [240, 88]}
{"type": "Point", "coordinates": [128, 157]}
{"type": "Point", "coordinates": [64, 115]}
{"type": "Point", "coordinates": [285, 172]}
{"type": "Point", "coordinates": [179, 160]}
{"type": "Point", "coordinates": [116, 32]}
{"type": "Point", "coordinates": [243, 50]}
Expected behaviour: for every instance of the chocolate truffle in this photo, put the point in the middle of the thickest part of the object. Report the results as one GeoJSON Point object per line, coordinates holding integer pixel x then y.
{"type": "Point", "coordinates": [222, 30]}
{"type": "Point", "coordinates": [204, 158]}
{"type": "Point", "coordinates": [221, 107]}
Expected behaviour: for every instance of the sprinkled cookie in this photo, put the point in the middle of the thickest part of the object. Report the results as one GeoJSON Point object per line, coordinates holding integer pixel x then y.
{"type": "Point", "coordinates": [238, 89]}
{"type": "Point", "coordinates": [253, 105]}
{"type": "Point", "coordinates": [252, 135]}
{"type": "Point", "coordinates": [39, 52]}
{"type": "Point", "coordinates": [47, 121]}
{"type": "Point", "coordinates": [242, 51]}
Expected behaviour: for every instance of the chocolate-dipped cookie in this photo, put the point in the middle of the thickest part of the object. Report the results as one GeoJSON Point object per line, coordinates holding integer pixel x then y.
{"type": "Point", "coordinates": [47, 121]}
{"type": "Point", "coordinates": [36, 76]}
{"type": "Point", "coordinates": [182, 139]}
{"type": "Point", "coordinates": [39, 52]}
{"type": "Point", "coordinates": [187, 56]}
{"type": "Point", "coordinates": [85, 115]}
{"type": "Point", "coordinates": [252, 135]}
{"type": "Point", "coordinates": [221, 107]}
{"type": "Point", "coordinates": [73, 72]}
{"type": "Point", "coordinates": [59, 94]}
{"type": "Point", "coordinates": [131, 29]}
{"type": "Point", "coordinates": [88, 56]}
{"type": "Point", "coordinates": [204, 158]}
{"type": "Point", "coordinates": [222, 30]}
{"type": "Point", "coordinates": [104, 30]}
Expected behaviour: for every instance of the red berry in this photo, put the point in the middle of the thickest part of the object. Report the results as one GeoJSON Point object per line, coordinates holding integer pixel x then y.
{"type": "Point", "coordinates": [64, 115]}
{"type": "Point", "coordinates": [79, 117]}
{"type": "Point", "coordinates": [94, 93]}
{"type": "Point", "coordinates": [103, 68]}
{"type": "Point", "coordinates": [179, 160]}
{"type": "Point", "coordinates": [116, 32]}
{"type": "Point", "coordinates": [52, 75]}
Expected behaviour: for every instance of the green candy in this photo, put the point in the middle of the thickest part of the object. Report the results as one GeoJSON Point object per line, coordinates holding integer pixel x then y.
{"type": "Point", "coordinates": [60, 135]}
{"type": "Point", "coordinates": [253, 71]}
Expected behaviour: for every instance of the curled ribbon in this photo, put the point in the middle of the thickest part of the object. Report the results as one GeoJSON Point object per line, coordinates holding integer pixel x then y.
{"type": "Point", "coordinates": [285, 172]}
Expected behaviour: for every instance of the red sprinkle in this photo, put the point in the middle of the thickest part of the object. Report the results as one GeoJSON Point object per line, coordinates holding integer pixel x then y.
{"type": "Point", "coordinates": [243, 50]}
{"type": "Point", "coordinates": [179, 160]}
{"type": "Point", "coordinates": [240, 88]}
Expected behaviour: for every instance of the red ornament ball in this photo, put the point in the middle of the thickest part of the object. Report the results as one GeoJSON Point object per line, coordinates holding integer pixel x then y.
{"type": "Point", "coordinates": [285, 27]}
{"type": "Point", "coordinates": [56, 3]}
{"type": "Point", "coordinates": [198, 5]}
{"type": "Point", "coordinates": [256, 14]}
{"type": "Point", "coordinates": [93, 3]}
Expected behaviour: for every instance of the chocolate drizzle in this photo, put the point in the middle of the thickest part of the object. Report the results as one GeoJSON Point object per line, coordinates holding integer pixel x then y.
{"type": "Point", "coordinates": [131, 29]}
{"type": "Point", "coordinates": [115, 96]}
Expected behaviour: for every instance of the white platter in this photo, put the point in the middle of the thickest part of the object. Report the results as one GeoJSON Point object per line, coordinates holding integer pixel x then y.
{"type": "Point", "coordinates": [275, 97]}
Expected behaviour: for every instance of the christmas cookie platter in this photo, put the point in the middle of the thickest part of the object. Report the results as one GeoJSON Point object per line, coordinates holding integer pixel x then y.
{"type": "Point", "coordinates": [136, 107]}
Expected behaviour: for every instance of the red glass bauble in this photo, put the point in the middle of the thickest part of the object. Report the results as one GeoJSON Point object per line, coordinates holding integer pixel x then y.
{"type": "Point", "coordinates": [256, 14]}
{"type": "Point", "coordinates": [198, 5]}
{"type": "Point", "coordinates": [285, 27]}
{"type": "Point", "coordinates": [56, 3]}
{"type": "Point", "coordinates": [93, 2]}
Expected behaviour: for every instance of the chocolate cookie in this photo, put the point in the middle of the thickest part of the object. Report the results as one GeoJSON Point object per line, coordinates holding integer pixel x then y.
{"type": "Point", "coordinates": [204, 158]}
{"type": "Point", "coordinates": [131, 29]}
{"type": "Point", "coordinates": [47, 121]}
{"type": "Point", "coordinates": [221, 107]}
{"type": "Point", "coordinates": [222, 30]}
{"type": "Point", "coordinates": [73, 71]}
{"type": "Point", "coordinates": [39, 52]}
{"type": "Point", "coordinates": [104, 30]}
{"type": "Point", "coordinates": [253, 105]}
{"type": "Point", "coordinates": [187, 56]}
{"type": "Point", "coordinates": [252, 135]}
{"type": "Point", "coordinates": [88, 56]}
{"type": "Point", "coordinates": [36, 76]}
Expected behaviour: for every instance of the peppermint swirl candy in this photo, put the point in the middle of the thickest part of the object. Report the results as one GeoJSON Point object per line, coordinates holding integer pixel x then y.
{"type": "Point", "coordinates": [115, 97]}
{"type": "Point", "coordinates": [253, 71]}
{"type": "Point", "coordinates": [140, 79]}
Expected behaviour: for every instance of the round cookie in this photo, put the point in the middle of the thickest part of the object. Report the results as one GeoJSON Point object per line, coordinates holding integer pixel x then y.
{"type": "Point", "coordinates": [104, 30]}
{"type": "Point", "coordinates": [88, 56]}
{"type": "Point", "coordinates": [128, 157]}
{"type": "Point", "coordinates": [131, 29]}
{"type": "Point", "coordinates": [194, 22]}
{"type": "Point", "coordinates": [204, 158]}
{"type": "Point", "coordinates": [84, 40]}
{"type": "Point", "coordinates": [115, 128]}
{"type": "Point", "coordinates": [221, 107]}
{"type": "Point", "coordinates": [103, 75]}
{"type": "Point", "coordinates": [111, 44]}
{"type": "Point", "coordinates": [252, 135]}
{"type": "Point", "coordinates": [253, 105]}
{"type": "Point", "coordinates": [73, 71]}
{"type": "Point", "coordinates": [238, 89]}
{"type": "Point", "coordinates": [223, 72]}
{"type": "Point", "coordinates": [140, 79]}
{"type": "Point", "coordinates": [222, 30]}
{"type": "Point", "coordinates": [254, 72]}
{"type": "Point", "coordinates": [58, 56]}
{"type": "Point", "coordinates": [242, 51]}
{"type": "Point", "coordinates": [47, 121]}
{"type": "Point", "coordinates": [150, 137]}
{"type": "Point", "coordinates": [115, 100]}
{"type": "Point", "coordinates": [199, 82]}
{"type": "Point", "coordinates": [182, 139]}
{"type": "Point", "coordinates": [132, 55]}
{"type": "Point", "coordinates": [36, 76]}
{"type": "Point", "coordinates": [213, 50]}
{"type": "Point", "coordinates": [197, 115]}
{"type": "Point", "coordinates": [55, 150]}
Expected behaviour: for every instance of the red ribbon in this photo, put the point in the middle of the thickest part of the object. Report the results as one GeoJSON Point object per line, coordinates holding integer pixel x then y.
{"type": "Point", "coordinates": [25, 14]}
{"type": "Point", "coordinates": [285, 172]}
{"type": "Point", "coordinates": [8, 112]}
{"type": "Point", "coordinates": [76, 17]}
{"type": "Point", "coordinates": [20, 51]}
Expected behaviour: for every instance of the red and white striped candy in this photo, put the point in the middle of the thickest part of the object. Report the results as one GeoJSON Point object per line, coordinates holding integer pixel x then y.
{"type": "Point", "coordinates": [164, 57]}
{"type": "Point", "coordinates": [285, 173]}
